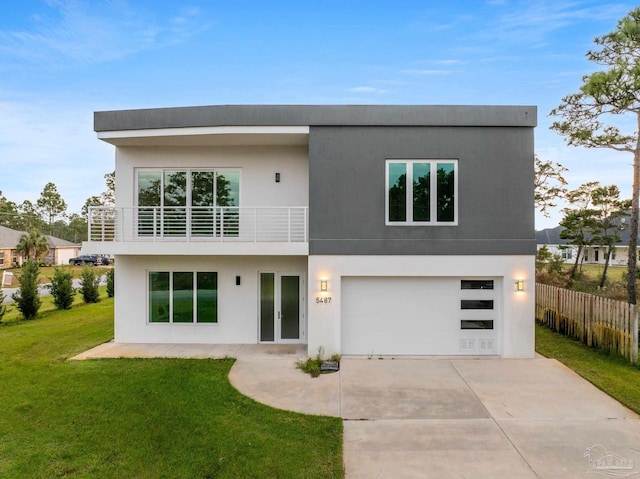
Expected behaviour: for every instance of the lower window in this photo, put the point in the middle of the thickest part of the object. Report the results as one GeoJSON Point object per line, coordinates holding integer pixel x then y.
{"type": "Point", "coordinates": [183, 297]}
{"type": "Point", "coordinates": [476, 324]}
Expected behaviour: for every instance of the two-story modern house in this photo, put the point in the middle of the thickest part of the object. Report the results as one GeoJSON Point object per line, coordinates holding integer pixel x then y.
{"type": "Point", "coordinates": [368, 230]}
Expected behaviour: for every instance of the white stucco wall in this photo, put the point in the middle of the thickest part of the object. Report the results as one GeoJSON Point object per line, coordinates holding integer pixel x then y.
{"type": "Point", "coordinates": [237, 305]}
{"type": "Point", "coordinates": [258, 165]}
{"type": "Point", "coordinates": [516, 308]}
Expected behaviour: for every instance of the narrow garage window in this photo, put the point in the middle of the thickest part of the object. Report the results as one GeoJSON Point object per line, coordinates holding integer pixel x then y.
{"type": "Point", "coordinates": [476, 304]}
{"type": "Point", "coordinates": [476, 284]}
{"type": "Point", "coordinates": [476, 324]}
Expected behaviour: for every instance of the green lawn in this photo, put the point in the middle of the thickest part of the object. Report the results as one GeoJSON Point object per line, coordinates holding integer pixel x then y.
{"type": "Point", "coordinates": [595, 270]}
{"type": "Point", "coordinates": [128, 418]}
{"type": "Point", "coordinates": [46, 273]}
{"type": "Point", "coordinates": [611, 374]}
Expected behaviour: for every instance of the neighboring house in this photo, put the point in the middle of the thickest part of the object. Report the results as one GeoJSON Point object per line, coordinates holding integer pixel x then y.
{"type": "Point", "coordinates": [359, 229]}
{"type": "Point", "coordinates": [60, 251]}
{"type": "Point", "coordinates": [550, 238]}
{"type": "Point", "coordinates": [593, 254]}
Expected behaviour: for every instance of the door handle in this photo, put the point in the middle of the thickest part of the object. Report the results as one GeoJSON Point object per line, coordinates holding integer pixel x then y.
{"type": "Point", "coordinates": [279, 317]}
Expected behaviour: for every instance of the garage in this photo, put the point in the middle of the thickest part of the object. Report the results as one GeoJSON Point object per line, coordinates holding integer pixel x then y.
{"type": "Point", "coordinates": [419, 315]}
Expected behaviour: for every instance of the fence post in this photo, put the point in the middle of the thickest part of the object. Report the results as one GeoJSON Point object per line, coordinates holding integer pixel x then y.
{"type": "Point", "coordinates": [634, 332]}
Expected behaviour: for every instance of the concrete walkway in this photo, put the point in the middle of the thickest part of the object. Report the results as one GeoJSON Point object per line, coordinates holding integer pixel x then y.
{"type": "Point", "coordinates": [441, 418]}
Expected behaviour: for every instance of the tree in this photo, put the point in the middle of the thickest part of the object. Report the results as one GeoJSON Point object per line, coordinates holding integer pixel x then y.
{"type": "Point", "coordinates": [3, 307]}
{"type": "Point", "coordinates": [61, 288]}
{"type": "Point", "coordinates": [91, 201]}
{"type": "Point", "coordinates": [608, 221]}
{"type": "Point", "coordinates": [578, 222]}
{"type": "Point", "coordinates": [89, 285]}
{"type": "Point", "coordinates": [587, 118]}
{"type": "Point", "coordinates": [549, 184]}
{"type": "Point", "coordinates": [577, 227]}
{"type": "Point", "coordinates": [9, 215]}
{"type": "Point", "coordinates": [111, 275]}
{"type": "Point", "coordinates": [108, 197]}
{"type": "Point", "coordinates": [29, 217]}
{"type": "Point", "coordinates": [33, 245]}
{"type": "Point", "coordinates": [77, 228]}
{"type": "Point", "coordinates": [51, 204]}
{"type": "Point", "coordinates": [27, 298]}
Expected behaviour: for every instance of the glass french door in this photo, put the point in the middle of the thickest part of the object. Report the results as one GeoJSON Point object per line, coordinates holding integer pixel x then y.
{"type": "Point", "coordinates": [280, 307]}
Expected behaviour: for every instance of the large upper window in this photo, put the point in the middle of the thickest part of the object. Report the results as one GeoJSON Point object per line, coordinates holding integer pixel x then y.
{"type": "Point", "coordinates": [183, 297]}
{"type": "Point", "coordinates": [201, 202]}
{"type": "Point", "coordinates": [421, 192]}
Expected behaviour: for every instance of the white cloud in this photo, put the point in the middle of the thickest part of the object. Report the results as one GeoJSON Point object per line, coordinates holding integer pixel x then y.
{"type": "Point", "coordinates": [425, 72]}
{"type": "Point", "coordinates": [367, 89]}
{"type": "Point", "coordinates": [91, 32]}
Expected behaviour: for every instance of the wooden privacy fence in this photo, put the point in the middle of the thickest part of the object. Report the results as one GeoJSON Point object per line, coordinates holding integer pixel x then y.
{"type": "Point", "coordinates": [596, 321]}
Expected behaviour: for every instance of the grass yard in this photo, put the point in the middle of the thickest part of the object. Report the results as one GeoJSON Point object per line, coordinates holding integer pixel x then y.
{"type": "Point", "coordinates": [594, 271]}
{"type": "Point", "coordinates": [46, 273]}
{"type": "Point", "coordinates": [128, 418]}
{"type": "Point", "coordinates": [611, 374]}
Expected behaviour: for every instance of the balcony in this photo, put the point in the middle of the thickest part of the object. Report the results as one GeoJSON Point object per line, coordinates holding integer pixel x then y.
{"type": "Point", "coordinates": [198, 230]}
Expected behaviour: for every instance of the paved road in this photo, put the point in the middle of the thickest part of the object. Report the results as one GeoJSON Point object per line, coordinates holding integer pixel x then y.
{"type": "Point", "coordinates": [43, 289]}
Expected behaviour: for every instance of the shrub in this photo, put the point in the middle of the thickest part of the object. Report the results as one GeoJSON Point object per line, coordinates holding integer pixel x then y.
{"type": "Point", "coordinates": [3, 307]}
{"type": "Point", "coordinates": [311, 366]}
{"type": "Point", "coordinates": [27, 298]}
{"type": "Point", "coordinates": [110, 279]}
{"type": "Point", "coordinates": [89, 285]}
{"type": "Point", "coordinates": [61, 288]}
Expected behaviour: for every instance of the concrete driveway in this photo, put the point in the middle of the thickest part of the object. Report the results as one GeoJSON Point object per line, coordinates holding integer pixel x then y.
{"type": "Point", "coordinates": [440, 418]}
{"type": "Point", "coordinates": [459, 418]}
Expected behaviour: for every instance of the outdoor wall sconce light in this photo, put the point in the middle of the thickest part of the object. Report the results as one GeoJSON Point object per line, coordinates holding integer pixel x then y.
{"type": "Point", "coordinates": [237, 280]}
{"type": "Point", "coordinates": [277, 177]}
{"type": "Point", "coordinates": [323, 285]}
{"type": "Point", "coordinates": [519, 285]}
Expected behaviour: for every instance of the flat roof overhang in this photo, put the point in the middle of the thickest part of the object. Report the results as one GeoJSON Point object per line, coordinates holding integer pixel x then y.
{"type": "Point", "coordinates": [207, 136]}
{"type": "Point", "coordinates": [292, 116]}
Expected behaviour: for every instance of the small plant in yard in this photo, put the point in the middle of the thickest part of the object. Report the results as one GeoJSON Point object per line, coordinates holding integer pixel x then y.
{"type": "Point", "coordinates": [89, 285]}
{"type": "Point", "coordinates": [61, 288]}
{"type": "Point", "coordinates": [3, 307]}
{"type": "Point", "coordinates": [311, 365]}
{"type": "Point", "coordinates": [27, 298]}
{"type": "Point", "coordinates": [110, 279]}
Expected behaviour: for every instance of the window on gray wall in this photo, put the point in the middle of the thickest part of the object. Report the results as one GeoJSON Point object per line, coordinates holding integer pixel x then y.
{"type": "Point", "coordinates": [421, 192]}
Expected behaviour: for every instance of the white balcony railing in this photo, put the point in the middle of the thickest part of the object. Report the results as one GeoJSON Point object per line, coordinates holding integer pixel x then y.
{"type": "Point", "coordinates": [220, 224]}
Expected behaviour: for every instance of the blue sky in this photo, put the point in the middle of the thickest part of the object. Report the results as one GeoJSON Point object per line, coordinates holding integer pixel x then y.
{"type": "Point", "coordinates": [62, 60]}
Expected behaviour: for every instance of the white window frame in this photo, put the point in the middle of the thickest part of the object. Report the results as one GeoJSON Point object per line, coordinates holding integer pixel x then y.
{"type": "Point", "coordinates": [195, 298]}
{"type": "Point", "coordinates": [433, 193]}
{"type": "Point", "coordinates": [189, 172]}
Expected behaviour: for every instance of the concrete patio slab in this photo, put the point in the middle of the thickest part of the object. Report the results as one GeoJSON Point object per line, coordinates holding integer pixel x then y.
{"type": "Point", "coordinates": [278, 383]}
{"type": "Point", "coordinates": [154, 350]}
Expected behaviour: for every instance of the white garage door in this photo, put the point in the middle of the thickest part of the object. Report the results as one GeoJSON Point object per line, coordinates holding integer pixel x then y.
{"type": "Point", "coordinates": [407, 315]}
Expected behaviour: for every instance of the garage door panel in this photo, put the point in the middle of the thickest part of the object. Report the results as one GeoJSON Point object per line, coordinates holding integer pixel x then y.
{"type": "Point", "coordinates": [409, 316]}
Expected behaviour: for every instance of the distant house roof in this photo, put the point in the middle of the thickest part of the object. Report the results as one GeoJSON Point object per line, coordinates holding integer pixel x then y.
{"type": "Point", "coordinates": [551, 236]}
{"type": "Point", "coordinates": [9, 238]}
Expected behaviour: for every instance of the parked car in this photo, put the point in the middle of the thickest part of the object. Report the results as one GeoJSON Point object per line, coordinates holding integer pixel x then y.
{"type": "Point", "coordinates": [86, 259]}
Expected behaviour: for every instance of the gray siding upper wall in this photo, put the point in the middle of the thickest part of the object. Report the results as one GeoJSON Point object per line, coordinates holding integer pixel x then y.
{"type": "Point", "coordinates": [495, 190]}
{"type": "Point", "coordinates": [311, 115]}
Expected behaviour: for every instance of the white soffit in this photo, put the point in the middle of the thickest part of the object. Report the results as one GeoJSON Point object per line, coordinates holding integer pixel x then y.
{"type": "Point", "coordinates": [205, 136]}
